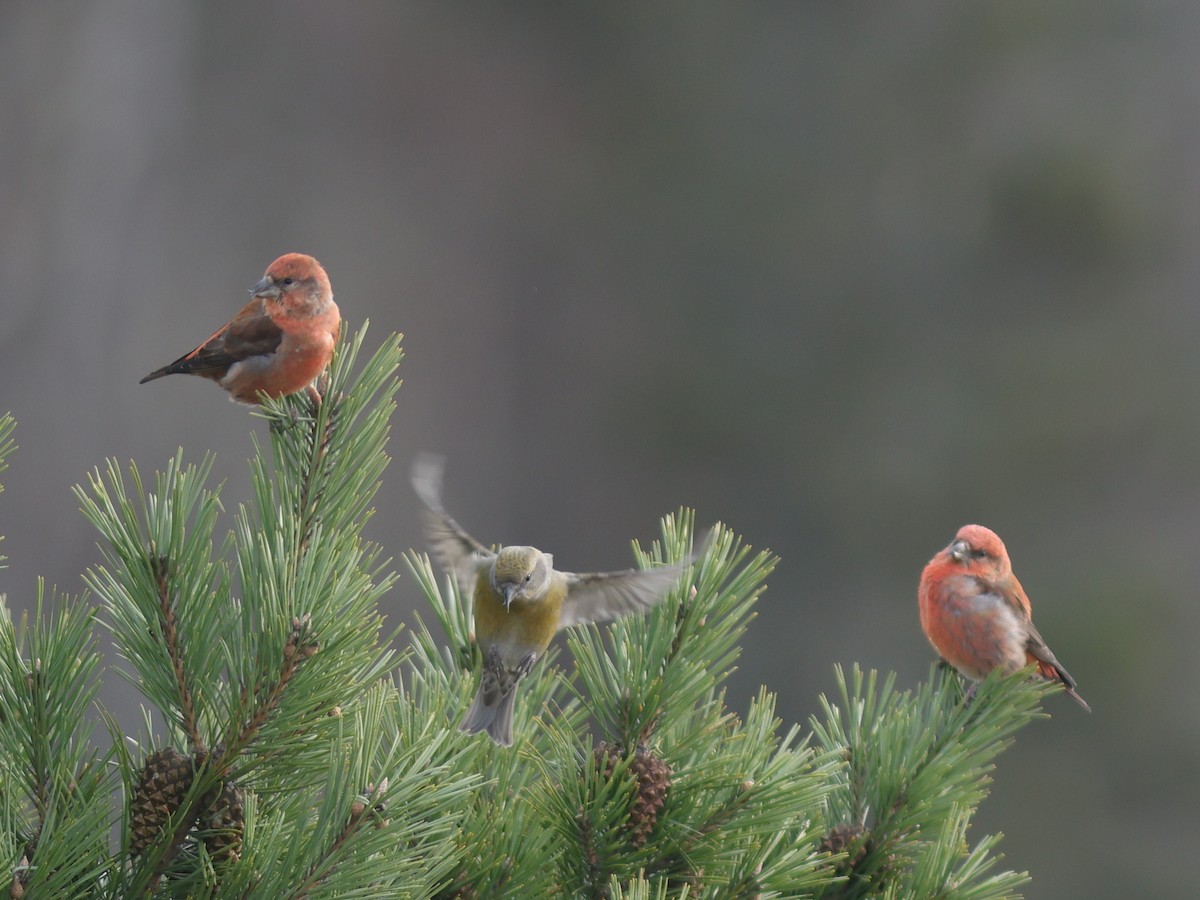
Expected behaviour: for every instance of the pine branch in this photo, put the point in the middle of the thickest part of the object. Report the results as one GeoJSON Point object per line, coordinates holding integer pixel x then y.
{"type": "Point", "coordinates": [301, 645]}
{"type": "Point", "coordinates": [7, 446]}
{"type": "Point", "coordinates": [959, 875]}
{"type": "Point", "coordinates": [247, 669]}
{"type": "Point", "coordinates": [159, 576]}
{"type": "Point", "coordinates": [320, 871]}
{"type": "Point", "coordinates": [703, 782]}
{"type": "Point", "coordinates": [914, 762]}
{"type": "Point", "coordinates": [170, 630]}
{"type": "Point", "coordinates": [298, 564]}
{"type": "Point", "coordinates": [308, 504]}
{"type": "Point", "coordinates": [657, 666]}
{"type": "Point", "coordinates": [54, 786]}
{"type": "Point", "coordinates": [350, 839]}
{"type": "Point", "coordinates": [308, 774]}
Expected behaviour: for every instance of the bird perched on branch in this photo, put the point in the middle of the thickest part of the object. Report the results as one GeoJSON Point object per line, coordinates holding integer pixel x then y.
{"type": "Point", "coordinates": [279, 343]}
{"type": "Point", "coordinates": [977, 615]}
{"type": "Point", "coordinates": [521, 600]}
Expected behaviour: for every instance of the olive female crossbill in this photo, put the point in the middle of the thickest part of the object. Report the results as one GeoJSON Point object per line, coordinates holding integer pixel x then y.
{"type": "Point", "coordinates": [521, 600]}
{"type": "Point", "coordinates": [279, 343]}
{"type": "Point", "coordinates": [977, 615]}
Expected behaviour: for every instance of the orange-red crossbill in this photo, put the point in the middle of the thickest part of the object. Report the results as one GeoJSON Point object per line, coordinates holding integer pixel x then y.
{"type": "Point", "coordinates": [521, 600]}
{"type": "Point", "coordinates": [977, 615]}
{"type": "Point", "coordinates": [278, 344]}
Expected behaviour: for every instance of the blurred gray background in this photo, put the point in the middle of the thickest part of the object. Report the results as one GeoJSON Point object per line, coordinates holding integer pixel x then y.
{"type": "Point", "coordinates": [844, 277]}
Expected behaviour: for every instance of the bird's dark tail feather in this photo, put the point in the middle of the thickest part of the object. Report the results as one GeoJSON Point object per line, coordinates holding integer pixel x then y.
{"type": "Point", "coordinates": [1075, 696]}
{"type": "Point", "coordinates": [157, 373]}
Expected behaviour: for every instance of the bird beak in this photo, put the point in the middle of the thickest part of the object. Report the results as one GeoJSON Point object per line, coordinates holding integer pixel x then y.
{"type": "Point", "coordinates": [960, 550]}
{"type": "Point", "coordinates": [509, 590]}
{"type": "Point", "coordinates": [266, 287]}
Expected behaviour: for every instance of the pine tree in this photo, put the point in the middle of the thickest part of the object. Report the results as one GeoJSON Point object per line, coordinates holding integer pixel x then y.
{"type": "Point", "coordinates": [287, 750]}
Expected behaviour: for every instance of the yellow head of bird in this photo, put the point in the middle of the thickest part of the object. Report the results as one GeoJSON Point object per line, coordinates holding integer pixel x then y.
{"type": "Point", "coordinates": [521, 573]}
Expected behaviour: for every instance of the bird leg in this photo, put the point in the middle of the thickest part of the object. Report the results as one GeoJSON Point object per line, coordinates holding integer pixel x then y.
{"type": "Point", "coordinates": [525, 665]}
{"type": "Point", "coordinates": [969, 696]}
{"type": "Point", "coordinates": [318, 389]}
{"type": "Point", "coordinates": [492, 659]}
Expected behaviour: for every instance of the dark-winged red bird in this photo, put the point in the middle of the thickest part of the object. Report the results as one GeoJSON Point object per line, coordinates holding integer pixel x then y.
{"type": "Point", "coordinates": [279, 343]}
{"type": "Point", "coordinates": [977, 615]}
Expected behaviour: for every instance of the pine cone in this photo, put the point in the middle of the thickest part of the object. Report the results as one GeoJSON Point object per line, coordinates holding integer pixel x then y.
{"type": "Point", "coordinates": [163, 783]}
{"type": "Point", "coordinates": [606, 756]}
{"type": "Point", "coordinates": [850, 838]}
{"type": "Point", "coordinates": [653, 779]}
{"type": "Point", "coordinates": [224, 819]}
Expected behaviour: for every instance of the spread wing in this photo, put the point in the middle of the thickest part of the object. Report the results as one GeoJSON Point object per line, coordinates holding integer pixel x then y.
{"type": "Point", "coordinates": [449, 543]}
{"type": "Point", "coordinates": [251, 333]}
{"type": "Point", "coordinates": [600, 596]}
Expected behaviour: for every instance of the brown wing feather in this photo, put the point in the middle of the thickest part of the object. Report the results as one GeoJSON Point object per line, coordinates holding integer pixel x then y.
{"type": "Point", "coordinates": [1016, 596]}
{"type": "Point", "coordinates": [1048, 665]}
{"type": "Point", "coordinates": [250, 333]}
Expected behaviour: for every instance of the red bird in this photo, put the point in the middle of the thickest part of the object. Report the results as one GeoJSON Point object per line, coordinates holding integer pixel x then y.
{"type": "Point", "coordinates": [976, 614]}
{"type": "Point", "coordinates": [279, 343]}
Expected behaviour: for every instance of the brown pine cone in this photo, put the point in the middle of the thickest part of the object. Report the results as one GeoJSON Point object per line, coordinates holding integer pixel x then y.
{"type": "Point", "coordinates": [224, 818]}
{"type": "Point", "coordinates": [653, 779]}
{"type": "Point", "coordinates": [163, 783]}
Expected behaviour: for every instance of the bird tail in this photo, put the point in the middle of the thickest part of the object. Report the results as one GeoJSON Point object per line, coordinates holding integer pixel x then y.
{"type": "Point", "coordinates": [496, 720]}
{"type": "Point", "coordinates": [1073, 694]}
{"type": "Point", "coordinates": [186, 365]}
{"type": "Point", "coordinates": [1052, 670]}
{"type": "Point", "coordinates": [157, 373]}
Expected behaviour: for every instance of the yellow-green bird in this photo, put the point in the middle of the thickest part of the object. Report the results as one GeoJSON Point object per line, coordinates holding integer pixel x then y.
{"type": "Point", "coordinates": [521, 600]}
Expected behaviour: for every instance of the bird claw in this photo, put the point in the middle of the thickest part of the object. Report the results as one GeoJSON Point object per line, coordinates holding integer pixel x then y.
{"type": "Point", "coordinates": [286, 421]}
{"type": "Point", "coordinates": [280, 424]}
{"type": "Point", "coordinates": [318, 393]}
{"type": "Point", "coordinates": [526, 664]}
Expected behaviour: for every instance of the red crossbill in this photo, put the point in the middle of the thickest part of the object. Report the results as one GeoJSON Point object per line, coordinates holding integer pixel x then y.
{"type": "Point", "coordinates": [977, 615]}
{"type": "Point", "coordinates": [521, 600]}
{"type": "Point", "coordinates": [278, 344]}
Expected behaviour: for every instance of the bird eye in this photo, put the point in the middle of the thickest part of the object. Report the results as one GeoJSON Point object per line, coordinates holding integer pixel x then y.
{"type": "Point", "coordinates": [530, 575]}
{"type": "Point", "coordinates": [287, 281]}
{"type": "Point", "coordinates": [978, 554]}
